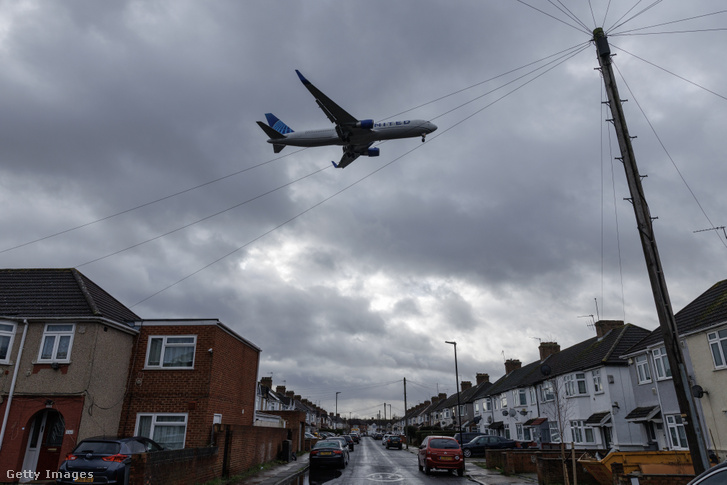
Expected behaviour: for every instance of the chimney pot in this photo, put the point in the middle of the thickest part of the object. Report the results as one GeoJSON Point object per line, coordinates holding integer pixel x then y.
{"type": "Point", "coordinates": [547, 349]}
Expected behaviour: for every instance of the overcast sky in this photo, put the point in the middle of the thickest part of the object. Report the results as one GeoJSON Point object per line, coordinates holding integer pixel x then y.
{"type": "Point", "coordinates": [129, 150]}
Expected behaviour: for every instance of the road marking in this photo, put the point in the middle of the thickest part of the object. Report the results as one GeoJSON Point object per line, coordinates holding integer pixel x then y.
{"type": "Point", "coordinates": [385, 477]}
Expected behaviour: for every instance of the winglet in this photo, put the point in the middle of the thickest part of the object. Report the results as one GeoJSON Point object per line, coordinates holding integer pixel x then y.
{"type": "Point", "coordinates": [302, 78]}
{"type": "Point", "coordinates": [334, 164]}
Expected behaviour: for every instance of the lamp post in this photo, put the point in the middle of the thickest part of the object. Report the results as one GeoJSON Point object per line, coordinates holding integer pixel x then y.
{"type": "Point", "coordinates": [337, 393]}
{"type": "Point", "coordinates": [459, 405]}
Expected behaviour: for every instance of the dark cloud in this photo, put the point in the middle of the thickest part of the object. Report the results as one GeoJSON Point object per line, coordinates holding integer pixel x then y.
{"type": "Point", "coordinates": [505, 227]}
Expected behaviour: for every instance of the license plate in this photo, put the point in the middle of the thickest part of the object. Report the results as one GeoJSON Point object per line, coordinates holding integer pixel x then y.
{"type": "Point", "coordinates": [83, 480]}
{"type": "Point", "coordinates": [445, 458]}
{"type": "Point", "coordinates": [326, 453]}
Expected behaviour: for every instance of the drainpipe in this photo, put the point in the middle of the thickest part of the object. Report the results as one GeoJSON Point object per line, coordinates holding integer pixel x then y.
{"type": "Point", "coordinates": [12, 384]}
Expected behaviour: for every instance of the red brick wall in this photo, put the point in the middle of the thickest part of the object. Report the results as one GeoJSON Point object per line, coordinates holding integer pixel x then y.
{"type": "Point", "coordinates": [22, 410]}
{"type": "Point", "coordinates": [223, 381]}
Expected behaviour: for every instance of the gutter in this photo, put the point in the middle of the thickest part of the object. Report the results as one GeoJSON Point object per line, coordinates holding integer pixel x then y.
{"type": "Point", "coordinates": [12, 384]}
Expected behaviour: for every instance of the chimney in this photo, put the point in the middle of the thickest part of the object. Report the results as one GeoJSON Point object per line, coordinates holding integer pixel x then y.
{"type": "Point", "coordinates": [267, 382]}
{"type": "Point", "coordinates": [280, 390]}
{"type": "Point", "coordinates": [605, 326]}
{"type": "Point", "coordinates": [435, 399]}
{"type": "Point", "coordinates": [466, 385]}
{"type": "Point", "coordinates": [547, 349]}
{"type": "Point", "coordinates": [511, 365]}
{"type": "Point", "coordinates": [297, 397]}
{"type": "Point", "coordinates": [482, 378]}
{"type": "Point", "coordinates": [442, 396]}
{"type": "Point", "coordinates": [290, 394]}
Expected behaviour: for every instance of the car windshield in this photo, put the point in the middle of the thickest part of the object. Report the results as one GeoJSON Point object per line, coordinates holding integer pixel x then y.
{"type": "Point", "coordinates": [97, 448]}
{"type": "Point", "coordinates": [443, 444]}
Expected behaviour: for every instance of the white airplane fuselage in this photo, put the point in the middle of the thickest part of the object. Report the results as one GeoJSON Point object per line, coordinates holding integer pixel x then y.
{"type": "Point", "coordinates": [385, 130]}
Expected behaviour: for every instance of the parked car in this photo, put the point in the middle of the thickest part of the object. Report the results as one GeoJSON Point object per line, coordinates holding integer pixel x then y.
{"type": "Point", "coordinates": [717, 475]}
{"type": "Point", "coordinates": [378, 436]}
{"type": "Point", "coordinates": [394, 441]}
{"type": "Point", "coordinates": [329, 452]}
{"type": "Point", "coordinates": [466, 437]}
{"type": "Point", "coordinates": [349, 441]}
{"type": "Point", "coordinates": [103, 459]}
{"type": "Point", "coordinates": [356, 437]}
{"type": "Point", "coordinates": [481, 443]}
{"type": "Point", "coordinates": [440, 452]}
{"type": "Point", "coordinates": [385, 438]}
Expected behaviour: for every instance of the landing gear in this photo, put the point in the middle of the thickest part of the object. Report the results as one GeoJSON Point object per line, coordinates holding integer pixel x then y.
{"type": "Point", "coordinates": [423, 136]}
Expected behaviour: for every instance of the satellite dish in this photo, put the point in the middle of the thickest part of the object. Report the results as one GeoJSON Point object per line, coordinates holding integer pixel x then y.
{"type": "Point", "coordinates": [504, 412]}
{"type": "Point", "coordinates": [698, 391]}
{"type": "Point", "coordinates": [545, 370]}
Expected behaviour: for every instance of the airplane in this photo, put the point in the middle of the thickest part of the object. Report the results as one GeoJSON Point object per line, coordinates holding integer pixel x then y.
{"type": "Point", "coordinates": [355, 136]}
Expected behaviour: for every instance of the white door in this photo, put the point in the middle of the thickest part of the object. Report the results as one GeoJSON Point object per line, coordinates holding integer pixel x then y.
{"type": "Point", "coordinates": [35, 439]}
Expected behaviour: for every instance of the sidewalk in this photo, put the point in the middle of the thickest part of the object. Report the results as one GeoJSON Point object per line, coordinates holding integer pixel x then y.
{"type": "Point", "coordinates": [494, 477]}
{"type": "Point", "coordinates": [277, 475]}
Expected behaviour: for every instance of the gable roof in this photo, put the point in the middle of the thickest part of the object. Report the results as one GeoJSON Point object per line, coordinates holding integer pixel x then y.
{"type": "Point", "coordinates": [57, 293]}
{"type": "Point", "coordinates": [588, 354]}
{"type": "Point", "coordinates": [708, 309]}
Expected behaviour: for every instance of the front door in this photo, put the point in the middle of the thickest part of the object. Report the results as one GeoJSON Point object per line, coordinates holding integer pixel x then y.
{"type": "Point", "coordinates": [45, 438]}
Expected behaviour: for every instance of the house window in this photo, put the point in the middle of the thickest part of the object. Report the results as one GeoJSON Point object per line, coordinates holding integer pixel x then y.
{"type": "Point", "coordinates": [522, 397]}
{"type": "Point", "coordinates": [554, 432]}
{"type": "Point", "coordinates": [546, 391]}
{"type": "Point", "coordinates": [575, 384]}
{"type": "Point", "coordinates": [718, 344]}
{"type": "Point", "coordinates": [597, 384]}
{"type": "Point", "coordinates": [168, 430]}
{"type": "Point", "coordinates": [532, 395]}
{"type": "Point", "coordinates": [676, 432]}
{"type": "Point", "coordinates": [661, 364]}
{"type": "Point", "coordinates": [642, 369]}
{"type": "Point", "coordinates": [519, 430]}
{"type": "Point", "coordinates": [488, 404]}
{"type": "Point", "coordinates": [581, 433]}
{"type": "Point", "coordinates": [57, 342]}
{"type": "Point", "coordinates": [171, 352]}
{"type": "Point", "coordinates": [503, 401]}
{"type": "Point", "coordinates": [477, 409]}
{"type": "Point", "coordinates": [7, 332]}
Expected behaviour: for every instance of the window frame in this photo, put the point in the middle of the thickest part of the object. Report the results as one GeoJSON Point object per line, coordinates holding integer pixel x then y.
{"type": "Point", "coordinates": [597, 382]}
{"type": "Point", "coordinates": [57, 336]}
{"type": "Point", "coordinates": [662, 369]}
{"type": "Point", "coordinates": [675, 429]}
{"type": "Point", "coordinates": [547, 391]}
{"type": "Point", "coordinates": [581, 433]}
{"type": "Point", "coordinates": [10, 334]}
{"type": "Point", "coordinates": [718, 342]}
{"type": "Point", "coordinates": [521, 398]}
{"type": "Point", "coordinates": [154, 424]}
{"type": "Point", "coordinates": [575, 384]}
{"type": "Point", "coordinates": [164, 347]}
{"type": "Point", "coordinates": [641, 363]}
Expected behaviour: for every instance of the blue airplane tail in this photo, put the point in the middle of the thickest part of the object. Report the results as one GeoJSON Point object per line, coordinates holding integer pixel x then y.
{"type": "Point", "coordinates": [277, 125]}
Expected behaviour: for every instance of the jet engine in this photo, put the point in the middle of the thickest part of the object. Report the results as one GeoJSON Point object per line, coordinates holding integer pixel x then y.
{"type": "Point", "coordinates": [365, 124]}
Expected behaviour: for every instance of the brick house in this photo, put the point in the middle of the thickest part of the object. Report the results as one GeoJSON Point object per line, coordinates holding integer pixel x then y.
{"type": "Point", "coordinates": [187, 376]}
{"type": "Point", "coordinates": [65, 345]}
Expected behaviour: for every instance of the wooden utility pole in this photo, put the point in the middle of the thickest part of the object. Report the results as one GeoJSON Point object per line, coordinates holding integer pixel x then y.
{"type": "Point", "coordinates": [667, 322]}
{"type": "Point", "coordinates": [405, 433]}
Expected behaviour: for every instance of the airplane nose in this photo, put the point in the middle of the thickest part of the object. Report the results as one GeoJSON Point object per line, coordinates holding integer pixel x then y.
{"type": "Point", "coordinates": [432, 127]}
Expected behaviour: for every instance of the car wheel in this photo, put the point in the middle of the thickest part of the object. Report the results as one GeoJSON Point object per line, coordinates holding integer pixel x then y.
{"type": "Point", "coordinates": [460, 472]}
{"type": "Point", "coordinates": [427, 470]}
{"type": "Point", "coordinates": [420, 466]}
{"type": "Point", "coordinates": [467, 453]}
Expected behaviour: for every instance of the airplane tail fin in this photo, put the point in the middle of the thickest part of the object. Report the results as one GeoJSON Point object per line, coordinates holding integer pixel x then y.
{"type": "Point", "coordinates": [273, 135]}
{"type": "Point", "coordinates": [277, 125]}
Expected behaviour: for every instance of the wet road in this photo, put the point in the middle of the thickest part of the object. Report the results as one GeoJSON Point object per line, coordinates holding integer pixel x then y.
{"type": "Point", "coordinates": [371, 463]}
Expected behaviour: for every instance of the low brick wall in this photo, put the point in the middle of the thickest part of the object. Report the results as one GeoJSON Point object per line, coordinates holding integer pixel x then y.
{"type": "Point", "coordinates": [550, 472]}
{"type": "Point", "coordinates": [187, 466]}
{"type": "Point", "coordinates": [237, 448]}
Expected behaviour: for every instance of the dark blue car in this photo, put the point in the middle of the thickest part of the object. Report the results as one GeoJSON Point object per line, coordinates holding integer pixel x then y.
{"type": "Point", "coordinates": [102, 460]}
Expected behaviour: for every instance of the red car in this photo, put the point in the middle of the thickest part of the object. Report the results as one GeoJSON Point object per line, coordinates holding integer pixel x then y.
{"type": "Point", "coordinates": [442, 453]}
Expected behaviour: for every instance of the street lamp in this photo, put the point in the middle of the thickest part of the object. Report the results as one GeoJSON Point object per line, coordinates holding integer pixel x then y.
{"type": "Point", "coordinates": [459, 405]}
{"type": "Point", "coordinates": [337, 393]}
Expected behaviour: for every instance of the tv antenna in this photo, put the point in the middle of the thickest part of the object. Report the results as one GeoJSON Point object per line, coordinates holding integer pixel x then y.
{"type": "Point", "coordinates": [716, 228]}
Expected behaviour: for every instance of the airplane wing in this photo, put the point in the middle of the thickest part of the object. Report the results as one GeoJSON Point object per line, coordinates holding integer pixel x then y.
{"type": "Point", "coordinates": [335, 113]}
{"type": "Point", "coordinates": [346, 159]}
